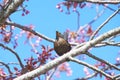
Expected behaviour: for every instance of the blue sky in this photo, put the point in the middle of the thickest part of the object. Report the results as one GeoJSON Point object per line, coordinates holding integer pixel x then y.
{"type": "Point", "coordinates": [47, 19]}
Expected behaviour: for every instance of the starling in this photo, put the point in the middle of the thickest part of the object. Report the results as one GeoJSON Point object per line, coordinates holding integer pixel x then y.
{"type": "Point", "coordinates": [61, 45]}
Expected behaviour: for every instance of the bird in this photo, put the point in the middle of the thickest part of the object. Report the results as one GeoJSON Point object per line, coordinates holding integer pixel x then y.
{"type": "Point", "coordinates": [61, 45]}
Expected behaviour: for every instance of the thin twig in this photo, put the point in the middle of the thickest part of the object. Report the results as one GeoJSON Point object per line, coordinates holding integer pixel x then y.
{"type": "Point", "coordinates": [105, 22]}
{"type": "Point", "coordinates": [103, 69]}
{"type": "Point", "coordinates": [111, 38]}
{"type": "Point", "coordinates": [92, 21]}
{"type": "Point", "coordinates": [33, 46]}
{"type": "Point", "coordinates": [110, 8]}
{"type": "Point", "coordinates": [30, 30]}
{"type": "Point", "coordinates": [90, 66]}
{"type": "Point", "coordinates": [78, 19]}
{"type": "Point", "coordinates": [108, 44]}
{"type": "Point", "coordinates": [20, 62]}
{"type": "Point", "coordinates": [49, 77]}
{"type": "Point", "coordinates": [6, 67]}
{"type": "Point", "coordinates": [97, 16]}
{"type": "Point", "coordinates": [116, 77]}
{"type": "Point", "coordinates": [11, 63]}
{"type": "Point", "coordinates": [87, 77]}
{"type": "Point", "coordinates": [101, 60]}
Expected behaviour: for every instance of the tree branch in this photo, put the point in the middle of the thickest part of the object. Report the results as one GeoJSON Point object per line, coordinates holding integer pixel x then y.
{"type": "Point", "coordinates": [108, 44]}
{"type": "Point", "coordinates": [11, 63]}
{"type": "Point", "coordinates": [74, 52]}
{"type": "Point", "coordinates": [7, 11]}
{"type": "Point", "coordinates": [88, 77]}
{"type": "Point", "coordinates": [117, 77]}
{"type": "Point", "coordinates": [101, 60]}
{"type": "Point", "coordinates": [110, 8]}
{"type": "Point", "coordinates": [97, 16]}
{"type": "Point", "coordinates": [94, 19]}
{"type": "Point", "coordinates": [6, 67]}
{"type": "Point", "coordinates": [30, 30]}
{"type": "Point", "coordinates": [20, 62]}
{"type": "Point", "coordinates": [105, 22]}
{"type": "Point", "coordinates": [90, 66]}
{"type": "Point", "coordinates": [95, 73]}
{"type": "Point", "coordinates": [98, 1]}
{"type": "Point", "coordinates": [51, 74]}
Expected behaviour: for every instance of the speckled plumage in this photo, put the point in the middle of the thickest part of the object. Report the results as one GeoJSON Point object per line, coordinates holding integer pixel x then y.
{"type": "Point", "coordinates": [61, 45]}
